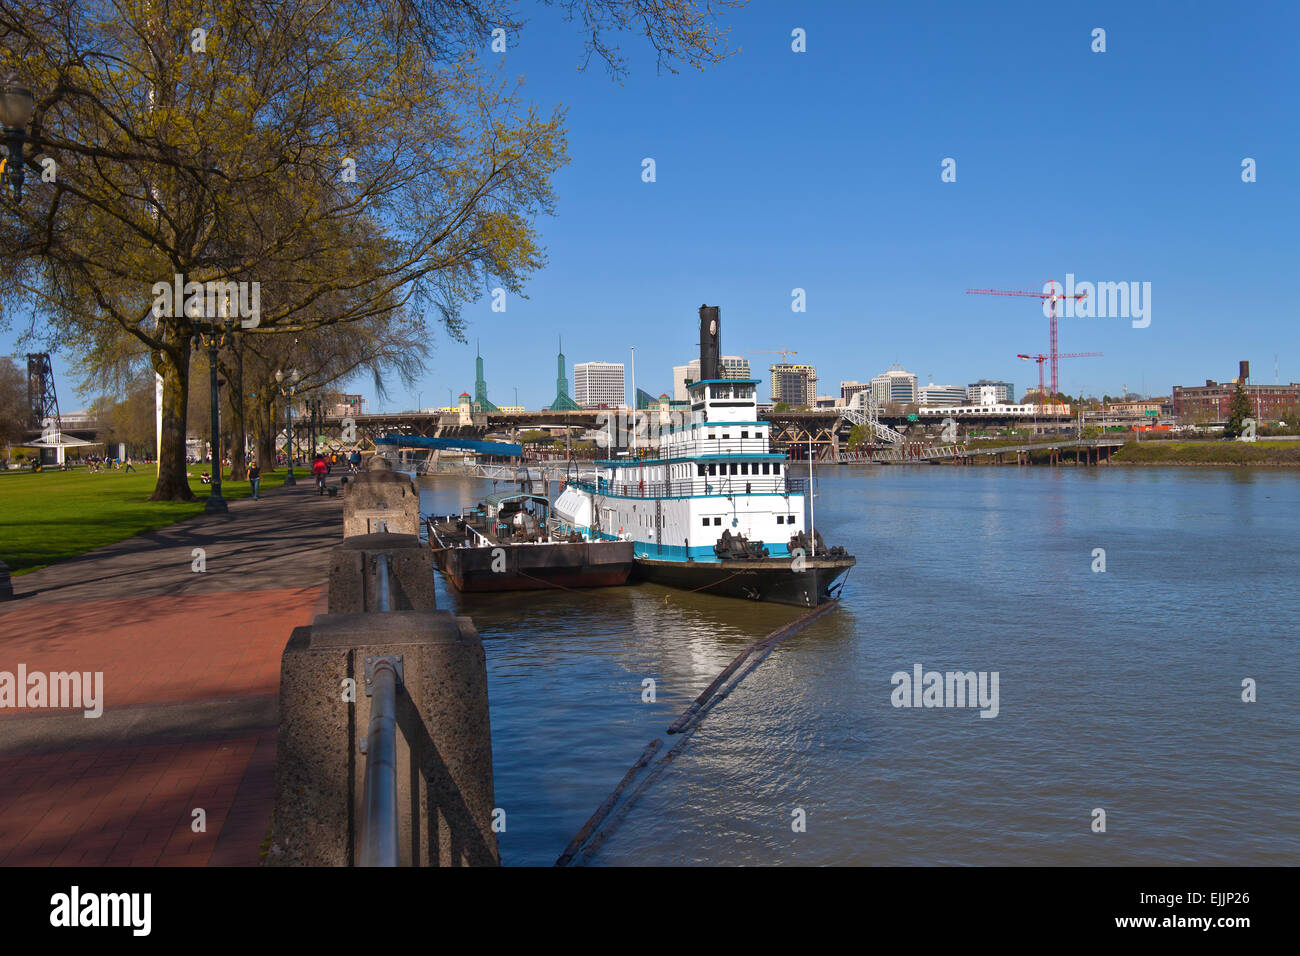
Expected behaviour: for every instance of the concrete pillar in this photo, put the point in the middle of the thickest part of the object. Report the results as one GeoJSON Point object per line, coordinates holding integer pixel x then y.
{"type": "Point", "coordinates": [380, 494]}
{"type": "Point", "coordinates": [354, 579]}
{"type": "Point", "coordinates": [444, 746]}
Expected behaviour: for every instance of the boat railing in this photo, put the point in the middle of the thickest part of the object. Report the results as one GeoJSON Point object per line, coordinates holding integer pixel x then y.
{"type": "Point", "coordinates": [699, 486]}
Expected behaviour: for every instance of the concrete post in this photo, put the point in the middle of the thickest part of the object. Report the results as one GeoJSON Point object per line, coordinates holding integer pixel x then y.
{"type": "Point", "coordinates": [444, 746]}
{"type": "Point", "coordinates": [380, 494]}
{"type": "Point", "coordinates": [354, 581]}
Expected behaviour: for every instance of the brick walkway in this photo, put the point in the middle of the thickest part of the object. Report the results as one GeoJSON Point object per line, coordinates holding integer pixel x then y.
{"type": "Point", "coordinates": [190, 664]}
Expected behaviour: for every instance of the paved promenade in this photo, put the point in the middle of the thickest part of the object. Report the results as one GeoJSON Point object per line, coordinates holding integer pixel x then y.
{"type": "Point", "coordinates": [190, 664]}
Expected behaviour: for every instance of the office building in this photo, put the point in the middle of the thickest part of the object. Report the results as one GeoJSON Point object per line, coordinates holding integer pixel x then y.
{"type": "Point", "coordinates": [933, 394]}
{"type": "Point", "coordinates": [796, 385]}
{"type": "Point", "coordinates": [1003, 392]}
{"type": "Point", "coordinates": [849, 389]}
{"type": "Point", "coordinates": [599, 383]}
{"type": "Point", "coordinates": [895, 385]}
{"type": "Point", "coordinates": [1213, 401]}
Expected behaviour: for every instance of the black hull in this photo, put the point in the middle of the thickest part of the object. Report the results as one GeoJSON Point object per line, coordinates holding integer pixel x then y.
{"type": "Point", "coordinates": [765, 580]}
{"type": "Point", "coordinates": [536, 567]}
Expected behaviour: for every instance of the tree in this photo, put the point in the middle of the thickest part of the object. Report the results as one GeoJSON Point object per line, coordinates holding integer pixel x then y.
{"type": "Point", "coordinates": [781, 407]}
{"type": "Point", "coordinates": [311, 149]}
{"type": "Point", "coordinates": [13, 404]}
{"type": "Point", "coordinates": [1238, 412]}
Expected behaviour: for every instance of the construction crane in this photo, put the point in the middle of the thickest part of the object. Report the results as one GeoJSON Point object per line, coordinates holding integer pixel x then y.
{"type": "Point", "coordinates": [1054, 296]}
{"type": "Point", "coordinates": [1044, 398]}
{"type": "Point", "coordinates": [781, 352]}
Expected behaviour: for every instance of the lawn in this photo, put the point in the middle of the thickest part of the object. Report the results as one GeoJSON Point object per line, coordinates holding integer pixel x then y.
{"type": "Point", "coordinates": [50, 516]}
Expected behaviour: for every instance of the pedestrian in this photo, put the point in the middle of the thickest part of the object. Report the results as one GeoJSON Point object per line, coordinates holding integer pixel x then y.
{"type": "Point", "coordinates": [254, 477]}
{"type": "Point", "coordinates": [319, 469]}
{"type": "Point", "coordinates": [129, 466]}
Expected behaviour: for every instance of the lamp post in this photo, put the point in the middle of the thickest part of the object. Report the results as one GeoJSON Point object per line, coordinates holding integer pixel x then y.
{"type": "Point", "coordinates": [287, 392]}
{"type": "Point", "coordinates": [215, 337]}
{"type": "Point", "coordinates": [16, 107]}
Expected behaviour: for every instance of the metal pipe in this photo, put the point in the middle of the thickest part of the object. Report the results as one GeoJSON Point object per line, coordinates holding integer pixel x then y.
{"type": "Point", "coordinates": [379, 806]}
{"type": "Point", "coordinates": [382, 559]}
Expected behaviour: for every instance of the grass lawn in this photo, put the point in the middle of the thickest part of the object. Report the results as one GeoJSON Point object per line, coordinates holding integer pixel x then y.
{"type": "Point", "coordinates": [50, 516]}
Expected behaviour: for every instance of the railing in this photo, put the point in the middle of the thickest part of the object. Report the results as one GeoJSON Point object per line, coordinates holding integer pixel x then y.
{"type": "Point", "coordinates": [379, 798]}
{"type": "Point", "coordinates": [686, 487]}
{"type": "Point", "coordinates": [699, 445]}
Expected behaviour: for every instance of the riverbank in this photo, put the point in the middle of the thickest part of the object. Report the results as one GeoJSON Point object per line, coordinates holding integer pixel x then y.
{"type": "Point", "coordinates": [1265, 453]}
{"type": "Point", "coordinates": [51, 516]}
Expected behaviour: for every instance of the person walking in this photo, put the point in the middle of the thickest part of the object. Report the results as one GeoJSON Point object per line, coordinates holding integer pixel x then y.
{"type": "Point", "coordinates": [320, 469]}
{"type": "Point", "coordinates": [254, 478]}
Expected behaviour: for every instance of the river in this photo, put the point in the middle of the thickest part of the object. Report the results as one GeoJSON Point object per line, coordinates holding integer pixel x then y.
{"type": "Point", "coordinates": [1118, 690]}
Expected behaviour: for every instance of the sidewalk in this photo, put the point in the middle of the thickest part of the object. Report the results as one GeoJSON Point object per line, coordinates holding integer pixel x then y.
{"type": "Point", "coordinates": [191, 671]}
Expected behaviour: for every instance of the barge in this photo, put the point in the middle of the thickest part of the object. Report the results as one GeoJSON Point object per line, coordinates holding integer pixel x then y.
{"type": "Point", "coordinates": [505, 544]}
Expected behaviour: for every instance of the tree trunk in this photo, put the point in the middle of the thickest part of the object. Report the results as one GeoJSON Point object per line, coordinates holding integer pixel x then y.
{"type": "Point", "coordinates": [173, 363]}
{"type": "Point", "coordinates": [238, 421]}
{"type": "Point", "coordinates": [269, 428]}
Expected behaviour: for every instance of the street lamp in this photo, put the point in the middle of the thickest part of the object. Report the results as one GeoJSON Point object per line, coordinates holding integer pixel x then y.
{"type": "Point", "coordinates": [287, 391]}
{"type": "Point", "coordinates": [214, 337]}
{"type": "Point", "coordinates": [16, 107]}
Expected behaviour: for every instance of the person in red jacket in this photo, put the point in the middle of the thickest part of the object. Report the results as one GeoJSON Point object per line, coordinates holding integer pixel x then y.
{"type": "Point", "coordinates": [319, 469]}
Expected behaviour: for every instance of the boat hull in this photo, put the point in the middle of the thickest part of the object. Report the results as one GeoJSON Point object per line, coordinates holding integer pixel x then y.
{"type": "Point", "coordinates": [536, 567]}
{"type": "Point", "coordinates": [769, 580]}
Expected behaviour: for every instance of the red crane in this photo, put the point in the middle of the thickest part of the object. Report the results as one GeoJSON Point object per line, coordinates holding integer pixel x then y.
{"type": "Point", "coordinates": [1040, 359]}
{"type": "Point", "coordinates": [1054, 296]}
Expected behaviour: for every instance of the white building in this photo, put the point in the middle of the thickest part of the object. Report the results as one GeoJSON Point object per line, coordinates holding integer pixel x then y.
{"type": "Point", "coordinates": [733, 366]}
{"type": "Point", "coordinates": [942, 394]}
{"type": "Point", "coordinates": [1003, 392]}
{"type": "Point", "coordinates": [894, 384]}
{"type": "Point", "coordinates": [599, 383]}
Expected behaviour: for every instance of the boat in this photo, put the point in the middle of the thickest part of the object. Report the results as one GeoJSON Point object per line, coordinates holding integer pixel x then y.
{"type": "Point", "coordinates": [506, 543]}
{"type": "Point", "coordinates": [714, 509]}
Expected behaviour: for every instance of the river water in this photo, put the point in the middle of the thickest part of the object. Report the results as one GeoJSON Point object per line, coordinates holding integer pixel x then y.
{"type": "Point", "coordinates": [1118, 690]}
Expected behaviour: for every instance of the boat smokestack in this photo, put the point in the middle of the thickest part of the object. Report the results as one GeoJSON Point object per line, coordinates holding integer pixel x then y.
{"type": "Point", "coordinates": [710, 342]}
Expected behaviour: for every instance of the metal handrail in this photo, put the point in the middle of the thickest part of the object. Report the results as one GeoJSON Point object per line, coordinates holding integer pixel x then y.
{"type": "Point", "coordinates": [379, 799]}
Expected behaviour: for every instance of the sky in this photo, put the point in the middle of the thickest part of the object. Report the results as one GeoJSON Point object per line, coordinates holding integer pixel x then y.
{"type": "Point", "coordinates": [821, 170]}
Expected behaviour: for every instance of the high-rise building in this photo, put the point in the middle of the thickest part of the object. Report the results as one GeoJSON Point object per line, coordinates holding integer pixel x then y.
{"type": "Point", "coordinates": [894, 385]}
{"type": "Point", "coordinates": [849, 389]}
{"type": "Point", "coordinates": [942, 395]}
{"type": "Point", "coordinates": [599, 383]}
{"type": "Point", "coordinates": [796, 385]}
{"type": "Point", "coordinates": [733, 366]}
{"type": "Point", "coordinates": [1004, 392]}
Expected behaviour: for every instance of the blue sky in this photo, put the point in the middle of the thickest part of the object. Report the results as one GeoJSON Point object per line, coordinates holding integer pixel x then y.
{"type": "Point", "coordinates": [821, 170]}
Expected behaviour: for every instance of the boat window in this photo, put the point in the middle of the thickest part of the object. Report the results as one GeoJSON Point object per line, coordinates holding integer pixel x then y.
{"type": "Point", "coordinates": [725, 435]}
{"type": "Point", "coordinates": [703, 470]}
{"type": "Point", "coordinates": [733, 468]}
{"type": "Point", "coordinates": [744, 467]}
{"type": "Point", "coordinates": [706, 522]}
{"type": "Point", "coordinates": [717, 521]}
{"type": "Point", "coordinates": [780, 519]}
{"type": "Point", "coordinates": [713, 469]}
{"type": "Point", "coordinates": [776, 468]}
{"type": "Point", "coordinates": [766, 468]}
{"type": "Point", "coordinates": [744, 434]}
